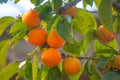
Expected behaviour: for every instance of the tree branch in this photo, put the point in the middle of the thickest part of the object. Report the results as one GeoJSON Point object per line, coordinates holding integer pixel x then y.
{"type": "Point", "coordinates": [67, 6]}
{"type": "Point", "coordinates": [89, 58]}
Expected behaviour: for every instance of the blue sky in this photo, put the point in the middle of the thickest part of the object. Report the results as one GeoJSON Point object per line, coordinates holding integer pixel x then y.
{"type": "Point", "coordinates": [11, 9]}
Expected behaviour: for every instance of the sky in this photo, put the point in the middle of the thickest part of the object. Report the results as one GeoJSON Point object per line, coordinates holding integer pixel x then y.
{"type": "Point", "coordinates": [12, 9]}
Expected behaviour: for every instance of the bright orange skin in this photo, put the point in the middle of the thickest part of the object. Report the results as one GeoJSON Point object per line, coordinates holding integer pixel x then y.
{"type": "Point", "coordinates": [104, 35]}
{"type": "Point", "coordinates": [37, 36]}
{"type": "Point", "coordinates": [117, 62]}
{"type": "Point", "coordinates": [51, 57]}
{"type": "Point", "coordinates": [71, 66]}
{"type": "Point", "coordinates": [54, 40]}
{"type": "Point", "coordinates": [72, 11]}
{"type": "Point", "coordinates": [31, 18]}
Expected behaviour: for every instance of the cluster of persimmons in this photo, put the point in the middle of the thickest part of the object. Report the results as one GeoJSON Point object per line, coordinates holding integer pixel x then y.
{"type": "Point", "coordinates": [51, 56]}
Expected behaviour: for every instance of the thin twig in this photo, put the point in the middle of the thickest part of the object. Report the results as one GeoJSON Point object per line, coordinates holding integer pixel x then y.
{"type": "Point", "coordinates": [89, 58]}
{"type": "Point", "coordinates": [68, 6]}
{"type": "Point", "coordinates": [110, 47]}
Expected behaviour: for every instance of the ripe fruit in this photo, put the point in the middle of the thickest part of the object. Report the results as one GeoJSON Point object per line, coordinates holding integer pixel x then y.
{"type": "Point", "coordinates": [31, 18]}
{"type": "Point", "coordinates": [117, 61]}
{"type": "Point", "coordinates": [37, 36]}
{"type": "Point", "coordinates": [54, 40]}
{"type": "Point", "coordinates": [104, 35]}
{"type": "Point", "coordinates": [51, 57]}
{"type": "Point", "coordinates": [71, 65]}
{"type": "Point", "coordinates": [72, 11]}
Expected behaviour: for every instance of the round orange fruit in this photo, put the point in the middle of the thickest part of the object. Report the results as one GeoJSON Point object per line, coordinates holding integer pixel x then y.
{"type": "Point", "coordinates": [104, 35]}
{"type": "Point", "coordinates": [31, 18]}
{"type": "Point", "coordinates": [72, 11]}
{"type": "Point", "coordinates": [71, 66]}
{"type": "Point", "coordinates": [54, 40]}
{"type": "Point", "coordinates": [117, 62]}
{"type": "Point", "coordinates": [37, 36]}
{"type": "Point", "coordinates": [51, 57]}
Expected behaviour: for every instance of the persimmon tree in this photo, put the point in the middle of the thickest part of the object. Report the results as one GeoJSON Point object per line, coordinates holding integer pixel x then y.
{"type": "Point", "coordinates": [51, 26]}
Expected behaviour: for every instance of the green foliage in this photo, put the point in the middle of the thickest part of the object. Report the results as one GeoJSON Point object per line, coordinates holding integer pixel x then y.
{"type": "Point", "coordinates": [100, 46]}
{"type": "Point", "coordinates": [4, 23]}
{"type": "Point", "coordinates": [89, 2]}
{"type": "Point", "coordinates": [111, 76]}
{"type": "Point", "coordinates": [92, 71]}
{"type": "Point", "coordinates": [42, 72]}
{"type": "Point", "coordinates": [20, 75]}
{"type": "Point", "coordinates": [36, 2]}
{"type": "Point", "coordinates": [54, 74]}
{"type": "Point", "coordinates": [16, 1]}
{"type": "Point", "coordinates": [3, 53]}
{"type": "Point", "coordinates": [74, 48]}
{"type": "Point", "coordinates": [9, 71]}
{"type": "Point", "coordinates": [53, 23]}
{"type": "Point", "coordinates": [28, 69]}
{"type": "Point", "coordinates": [105, 14]}
{"type": "Point", "coordinates": [35, 67]}
{"type": "Point", "coordinates": [17, 27]}
{"type": "Point", "coordinates": [116, 24]}
{"type": "Point", "coordinates": [45, 12]}
{"type": "Point", "coordinates": [57, 4]}
{"type": "Point", "coordinates": [89, 38]}
{"type": "Point", "coordinates": [83, 22]}
{"type": "Point", "coordinates": [64, 29]}
{"type": "Point", "coordinates": [102, 50]}
{"type": "Point", "coordinates": [97, 2]}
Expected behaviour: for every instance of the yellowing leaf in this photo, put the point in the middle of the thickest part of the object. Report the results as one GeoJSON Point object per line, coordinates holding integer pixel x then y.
{"type": "Point", "coordinates": [83, 22]}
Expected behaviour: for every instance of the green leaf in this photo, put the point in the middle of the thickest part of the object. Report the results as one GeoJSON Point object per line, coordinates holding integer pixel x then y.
{"type": "Point", "coordinates": [17, 37]}
{"type": "Point", "coordinates": [116, 24]}
{"type": "Point", "coordinates": [35, 64]}
{"type": "Point", "coordinates": [57, 4]}
{"type": "Point", "coordinates": [64, 30]}
{"type": "Point", "coordinates": [87, 68]}
{"type": "Point", "coordinates": [102, 63]}
{"type": "Point", "coordinates": [28, 69]}
{"type": "Point", "coordinates": [111, 76]}
{"type": "Point", "coordinates": [9, 71]}
{"type": "Point", "coordinates": [89, 2]}
{"type": "Point", "coordinates": [4, 23]}
{"type": "Point", "coordinates": [20, 75]}
{"type": "Point", "coordinates": [83, 22]}
{"type": "Point", "coordinates": [105, 14]}
{"type": "Point", "coordinates": [89, 38]}
{"type": "Point", "coordinates": [20, 26]}
{"type": "Point", "coordinates": [54, 74]}
{"type": "Point", "coordinates": [74, 48]}
{"type": "Point", "coordinates": [99, 46]}
{"type": "Point", "coordinates": [102, 50]}
{"type": "Point", "coordinates": [97, 2]}
{"type": "Point", "coordinates": [36, 2]}
{"type": "Point", "coordinates": [52, 23]}
{"type": "Point", "coordinates": [42, 72]}
{"type": "Point", "coordinates": [16, 1]}
{"type": "Point", "coordinates": [3, 53]}
{"type": "Point", "coordinates": [45, 12]}
{"type": "Point", "coordinates": [94, 72]}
